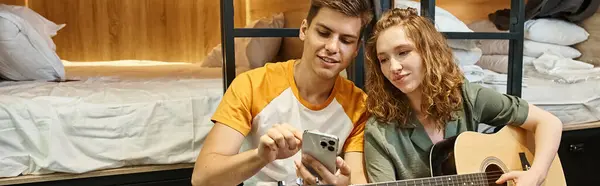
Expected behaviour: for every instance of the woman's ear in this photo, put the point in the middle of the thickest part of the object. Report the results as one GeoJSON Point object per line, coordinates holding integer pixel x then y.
{"type": "Point", "coordinates": [303, 29]}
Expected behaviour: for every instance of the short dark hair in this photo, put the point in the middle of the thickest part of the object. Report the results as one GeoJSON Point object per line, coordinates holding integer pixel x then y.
{"type": "Point", "coordinates": [353, 8]}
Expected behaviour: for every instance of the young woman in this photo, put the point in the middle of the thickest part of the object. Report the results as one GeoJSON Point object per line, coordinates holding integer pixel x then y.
{"type": "Point", "coordinates": [417, 96]}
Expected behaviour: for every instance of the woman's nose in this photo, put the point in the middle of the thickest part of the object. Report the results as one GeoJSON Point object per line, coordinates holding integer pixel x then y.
{"type": "Point", "coordinates": [395, 66]}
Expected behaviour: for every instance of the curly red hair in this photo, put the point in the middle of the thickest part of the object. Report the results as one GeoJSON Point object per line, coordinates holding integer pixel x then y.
{"type": "Point", "coordinates": [442, 77]}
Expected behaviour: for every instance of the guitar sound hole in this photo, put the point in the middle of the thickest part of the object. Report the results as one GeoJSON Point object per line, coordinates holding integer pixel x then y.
{"type": "Point", "coordinates": [493, 172]}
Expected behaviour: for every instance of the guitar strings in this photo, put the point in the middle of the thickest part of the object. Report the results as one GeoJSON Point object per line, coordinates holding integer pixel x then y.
{"type": "Point", "coordinates": [478, 178]}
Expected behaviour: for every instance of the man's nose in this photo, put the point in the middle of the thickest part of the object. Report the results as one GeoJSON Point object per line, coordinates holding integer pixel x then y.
{"type": "Point", "coordinates": [332, 46]}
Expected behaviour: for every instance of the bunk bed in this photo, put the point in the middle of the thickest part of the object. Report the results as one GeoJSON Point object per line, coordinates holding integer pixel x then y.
{"type": "Point", "coordinates": [180, 174]}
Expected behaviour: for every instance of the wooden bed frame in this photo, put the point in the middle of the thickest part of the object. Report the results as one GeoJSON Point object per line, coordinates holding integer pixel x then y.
{"type": "Point", "coordinates": [180, 174]}
{"type": "Point", "coordinates": [176, 174]}
{"type": "Point", "coordinates": [579, 151]}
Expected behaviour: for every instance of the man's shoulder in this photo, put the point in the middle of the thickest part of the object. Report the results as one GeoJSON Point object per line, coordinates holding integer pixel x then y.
{"type": "Point", "coordinates": [275, 70]}
{"type": "Point", "coordinates": [261, 85]}
{"type": "Point", "coordinates": [348, 92]}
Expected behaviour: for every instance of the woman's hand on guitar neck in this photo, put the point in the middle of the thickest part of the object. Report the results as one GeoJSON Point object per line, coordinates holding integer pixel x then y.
{"type": "Point", "coordinates": [523, 178]}
{"type": "Point", "coordinates": [340, 178]}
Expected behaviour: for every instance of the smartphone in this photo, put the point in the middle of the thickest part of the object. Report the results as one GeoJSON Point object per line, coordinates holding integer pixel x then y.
{"type": "Point", "coordinates": [323, 147]}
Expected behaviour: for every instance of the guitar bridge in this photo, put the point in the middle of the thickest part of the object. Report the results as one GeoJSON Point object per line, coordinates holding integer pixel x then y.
{"type": "Point", "coordinates": [524, 162]}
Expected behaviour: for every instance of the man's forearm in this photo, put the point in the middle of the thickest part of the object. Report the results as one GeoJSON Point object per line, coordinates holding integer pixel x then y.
{"type": "Point", "coordinates": [216, 169]}
{"type": "Point", "coordinates": [547, 138]}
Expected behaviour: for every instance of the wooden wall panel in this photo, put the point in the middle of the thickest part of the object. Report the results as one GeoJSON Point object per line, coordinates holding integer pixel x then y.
{"type": "Point", "coordinates": [469, 11]}
{"type": "Point", "coordinates": [13, 2]}
{"type": "Point", "coordinates": [161, 30]}
{"type": "Point", "coordinates": [180, 30]}
{"type": "Point", "coordinates": [295, 11]}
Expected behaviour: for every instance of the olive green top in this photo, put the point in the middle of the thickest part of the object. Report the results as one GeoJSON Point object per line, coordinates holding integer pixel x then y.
{"type": "Point", "coordinates": [398, 153]}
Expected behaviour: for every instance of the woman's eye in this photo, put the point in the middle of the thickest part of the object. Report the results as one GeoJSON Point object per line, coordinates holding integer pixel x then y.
{"type": "Point", "coordinates": [403, 53]}
{"type": "Point", "coordinates": [383, 60]}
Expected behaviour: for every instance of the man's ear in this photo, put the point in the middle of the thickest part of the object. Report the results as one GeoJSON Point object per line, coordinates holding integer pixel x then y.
{"type": "Point", "coordinates": [303, 29]}
{"type": "Point", "coordinates": [358, 44]}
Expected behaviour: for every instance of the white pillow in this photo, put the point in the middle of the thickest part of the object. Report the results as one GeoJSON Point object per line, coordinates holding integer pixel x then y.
{"type": "Point", "coordinates": [444, 22]}
{"type": "Point", "coordinates": [499, 63]}
{"type": "Point", "coordinates": [530, 48]}
{"type": "Point", "coordinates": [536, 49]}
{"type": "Point", "coordinates": [466, 57]}
{"type": "Point", "coordinates": [555, 31]}
{"type": "Point", "coordinates": [46, 28]}
{"type": "Point", "coordinates": [24, 53]}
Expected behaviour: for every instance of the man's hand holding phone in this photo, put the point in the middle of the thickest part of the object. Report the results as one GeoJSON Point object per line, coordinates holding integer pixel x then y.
{"type": "Point", "coordinates": [280, 142]}
{"type": "Point", "coordinates": [340, 178]}
{"type": "Point", "coordinates": [320, 162]}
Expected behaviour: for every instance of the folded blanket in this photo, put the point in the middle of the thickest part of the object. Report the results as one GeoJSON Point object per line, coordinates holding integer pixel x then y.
{"type": "Point", "coordinates": [565, 70]}
{"type": "Point", "coordinates": [473, 73]}
{"type": "Point", "coordinates": [494, 78]}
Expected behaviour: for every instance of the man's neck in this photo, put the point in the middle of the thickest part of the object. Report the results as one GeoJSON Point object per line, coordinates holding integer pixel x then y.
{"type": "Point", "coordinates": [310, 86]}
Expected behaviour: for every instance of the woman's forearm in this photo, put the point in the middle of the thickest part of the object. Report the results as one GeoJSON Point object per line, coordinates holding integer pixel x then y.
{"type": "Point", "coordinates": [548, 134]}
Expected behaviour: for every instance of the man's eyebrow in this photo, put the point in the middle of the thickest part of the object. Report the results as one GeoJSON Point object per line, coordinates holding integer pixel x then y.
{"type": "Point", "coordinates": [329, 29]}
{"type": "Point", "coordinates": [322, 25]}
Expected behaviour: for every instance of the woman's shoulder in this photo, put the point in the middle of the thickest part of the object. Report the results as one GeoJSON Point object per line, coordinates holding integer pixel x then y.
{"type": "Point", "coordinates": [470, 91]}
{"type": "Point", "coordinates": [374, 126]}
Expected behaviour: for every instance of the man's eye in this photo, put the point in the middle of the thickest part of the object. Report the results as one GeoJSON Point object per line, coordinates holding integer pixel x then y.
{"type": "Point", "coordinates": [323, 33]}
{"type": "Point", "coordinates": [347, 41]}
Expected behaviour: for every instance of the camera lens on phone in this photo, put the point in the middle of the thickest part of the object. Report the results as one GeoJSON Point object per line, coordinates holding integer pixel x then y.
{"type": "Point", "coordinates": [323, 144]}
{"type": "Point", "coordinates": [330, 148]}
{"type": "Point", "coordinates": [331, 142]}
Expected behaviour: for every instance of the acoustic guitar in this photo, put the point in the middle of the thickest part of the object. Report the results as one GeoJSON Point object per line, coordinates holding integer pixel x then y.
{"type": "Point", "coordinates": [476, 159]}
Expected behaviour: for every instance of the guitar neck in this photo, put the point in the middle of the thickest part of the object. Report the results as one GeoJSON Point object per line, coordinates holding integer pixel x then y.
{"type": "Point", "coordinates": [475, 179]}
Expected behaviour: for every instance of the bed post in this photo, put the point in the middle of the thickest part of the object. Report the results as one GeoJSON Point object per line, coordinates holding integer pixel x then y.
{"type": "Point", "coordinates": [356, 72]}
{"type": "Point", "coordinates": [428, 9]}
{"type": "Point", "coordinates": [227, 43]}
{"type": "Point", "coordinates": [515, 46]}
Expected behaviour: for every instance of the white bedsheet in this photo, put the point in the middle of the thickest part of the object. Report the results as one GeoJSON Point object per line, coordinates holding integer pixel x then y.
{"type": "Point", "coordinates": [573, 103]}
{"type": "Point", "coordinates": [82, 126]}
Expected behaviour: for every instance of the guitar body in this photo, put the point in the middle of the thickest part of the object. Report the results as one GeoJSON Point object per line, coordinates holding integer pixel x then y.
{"type": "Point", "coordinates": [477, 159]}
{"type": "Point", "coordinates": [492, 154]}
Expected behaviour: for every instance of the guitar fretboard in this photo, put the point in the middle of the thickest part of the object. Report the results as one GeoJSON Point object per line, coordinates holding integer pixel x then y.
{"type": "Point", "coordinates": [476, 179]}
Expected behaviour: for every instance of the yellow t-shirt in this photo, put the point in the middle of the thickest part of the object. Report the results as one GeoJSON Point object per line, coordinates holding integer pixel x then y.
{"type": "Point", "coordinates": [268, 95]}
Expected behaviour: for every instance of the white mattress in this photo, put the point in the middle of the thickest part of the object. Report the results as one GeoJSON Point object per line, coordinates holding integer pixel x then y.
{"type": "Point", "coordinates": [82, 126]}
{"type": "Point", "coordinates": [572, 103]}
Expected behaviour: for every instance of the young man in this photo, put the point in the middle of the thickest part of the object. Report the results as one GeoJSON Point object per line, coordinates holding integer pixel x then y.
{"type": "Point", "coordinates": [271, 106]}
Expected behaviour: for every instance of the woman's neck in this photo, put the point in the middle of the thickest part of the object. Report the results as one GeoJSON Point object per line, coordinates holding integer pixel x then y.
{"type": "Point", "coordinates": [428, 123]}
{"type": "Point", "coordinates": [415, 98]}
{"type": "Point", "coordinates": [310, 86]}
